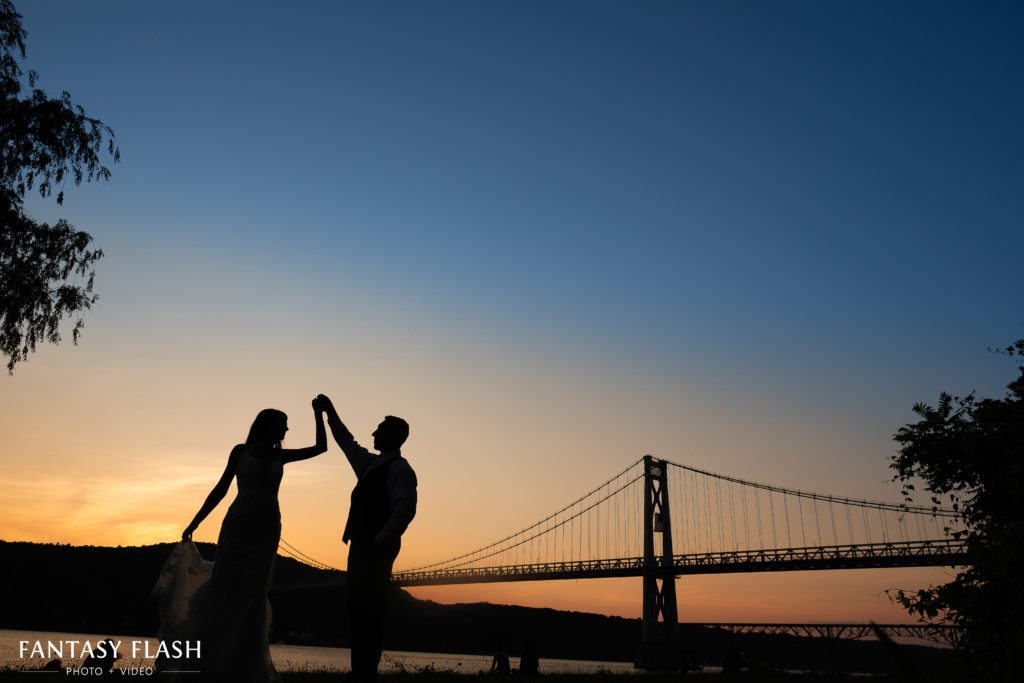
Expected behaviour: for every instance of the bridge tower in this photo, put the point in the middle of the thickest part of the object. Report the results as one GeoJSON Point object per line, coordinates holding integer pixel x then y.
{"type": "Point", "coordinates": [659, 642]}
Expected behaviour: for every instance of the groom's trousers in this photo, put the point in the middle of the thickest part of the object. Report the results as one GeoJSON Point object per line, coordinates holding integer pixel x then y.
{"type": "Point", "coordinates": [369, 575]}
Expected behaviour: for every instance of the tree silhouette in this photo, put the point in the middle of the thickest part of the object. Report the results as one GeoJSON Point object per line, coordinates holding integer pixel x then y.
{"type": "Point", "coordinates": [46, 272]}
{"type": "Point", "coordinates": [973, 451]}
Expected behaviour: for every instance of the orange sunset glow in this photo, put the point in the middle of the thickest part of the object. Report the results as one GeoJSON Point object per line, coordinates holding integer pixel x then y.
{"type": "Point", "coordinates": [134, 471]}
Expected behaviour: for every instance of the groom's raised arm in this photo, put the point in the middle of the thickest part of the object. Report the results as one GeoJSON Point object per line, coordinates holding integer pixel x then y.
{"type": "Point", "coordinates": [357, 456]}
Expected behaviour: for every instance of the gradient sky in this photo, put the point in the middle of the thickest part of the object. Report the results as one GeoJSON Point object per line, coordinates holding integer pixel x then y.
{"type": "Point", "coordinates": [554, 236]}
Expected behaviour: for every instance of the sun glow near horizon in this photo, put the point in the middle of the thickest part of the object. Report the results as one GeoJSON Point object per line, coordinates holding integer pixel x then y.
{"type": "Point", "coordinates": [152, 507]}
{"type": "Point", "coordinates": [500, 439]}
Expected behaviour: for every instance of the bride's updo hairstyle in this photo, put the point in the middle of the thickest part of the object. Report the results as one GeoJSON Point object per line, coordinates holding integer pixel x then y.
{"type": "Point", "coordinates": [265, 428]}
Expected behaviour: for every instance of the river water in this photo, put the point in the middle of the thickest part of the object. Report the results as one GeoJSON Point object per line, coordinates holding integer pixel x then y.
{"type": "Point", "coordinates": [16, 653]}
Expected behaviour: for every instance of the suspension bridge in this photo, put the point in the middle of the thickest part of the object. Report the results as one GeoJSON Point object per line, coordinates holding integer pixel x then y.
{"type": "Point", "coordinates": [659, 520]}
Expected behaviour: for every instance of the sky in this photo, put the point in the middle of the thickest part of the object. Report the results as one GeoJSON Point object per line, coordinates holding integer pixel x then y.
{"type": "Point", "coordinates": [553, 236]}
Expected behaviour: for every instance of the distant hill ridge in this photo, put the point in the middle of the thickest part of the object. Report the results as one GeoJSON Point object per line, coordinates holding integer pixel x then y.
{"type": "Point", "coordinates": [94, 589]}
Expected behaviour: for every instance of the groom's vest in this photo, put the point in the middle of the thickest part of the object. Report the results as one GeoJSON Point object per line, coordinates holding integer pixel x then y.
{"type": "Point", "coordinates": [371, 505]}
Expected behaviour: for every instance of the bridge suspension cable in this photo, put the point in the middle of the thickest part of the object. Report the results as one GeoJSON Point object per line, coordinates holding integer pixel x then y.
{"type": "Point", "coordinates": [857, 502]}
{"type": "Point", "coordinates": [711, 514]}
{"type": "Point", "coordinates": [554, 527]}
{"type": "Point", "coordinates": [291, 551]}
{"type": "Point", "coordinates": [715, 513]}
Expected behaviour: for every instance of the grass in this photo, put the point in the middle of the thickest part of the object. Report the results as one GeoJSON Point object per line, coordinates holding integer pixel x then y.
{"type": "Point", "coordinates": [453, 677]}
{"type": "Point", "coordinates": [429, 675]}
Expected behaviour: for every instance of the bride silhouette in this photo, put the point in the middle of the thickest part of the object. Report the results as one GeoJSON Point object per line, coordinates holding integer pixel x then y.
{"type": "Point", "coordinates": [229, 614]}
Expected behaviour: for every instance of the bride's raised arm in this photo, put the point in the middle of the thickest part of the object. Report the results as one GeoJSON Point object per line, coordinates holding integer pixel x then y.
{"type": "Point", "coordinates": [293, 454]}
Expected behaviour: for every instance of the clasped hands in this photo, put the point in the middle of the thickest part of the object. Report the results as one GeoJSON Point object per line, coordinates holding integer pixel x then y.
{"type": "Point", "coordinates": [322, 404]}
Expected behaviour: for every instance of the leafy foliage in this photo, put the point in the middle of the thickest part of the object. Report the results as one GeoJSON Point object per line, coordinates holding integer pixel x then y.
{"type": "Point", "coordinates": [973, 451]}
{"type": "Point", "coordinates": [46, 272]}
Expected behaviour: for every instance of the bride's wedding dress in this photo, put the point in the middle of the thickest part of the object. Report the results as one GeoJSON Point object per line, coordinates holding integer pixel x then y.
{"type": "Point", "coordinates": [228, 613]}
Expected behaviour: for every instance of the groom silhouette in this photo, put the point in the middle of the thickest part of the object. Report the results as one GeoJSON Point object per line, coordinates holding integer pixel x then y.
{"type": "Point", "coordinates": [383, 504]}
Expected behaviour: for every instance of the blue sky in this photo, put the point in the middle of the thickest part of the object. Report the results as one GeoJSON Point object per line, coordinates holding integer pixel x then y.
{"type": "Point", "coordinates": [801, 216]}
{"type": "Point", "coordinates": [771, 171]}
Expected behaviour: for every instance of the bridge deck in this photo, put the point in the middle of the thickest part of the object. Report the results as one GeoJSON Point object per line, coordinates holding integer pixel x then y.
{"type": "Point", "coordinates": [944, 552]}
{"type": "Point", "coordinates": [942, 634]}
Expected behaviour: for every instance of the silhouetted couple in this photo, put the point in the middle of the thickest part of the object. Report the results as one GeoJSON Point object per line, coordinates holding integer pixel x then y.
{"type": "Point", "coordinates": [230, 614]}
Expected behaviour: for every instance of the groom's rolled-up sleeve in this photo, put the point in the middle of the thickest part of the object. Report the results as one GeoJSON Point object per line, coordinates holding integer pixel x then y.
{"type": "Point", "coordinates": [358, 456]}
{"type": "Point", "coordinates": [402, 492]}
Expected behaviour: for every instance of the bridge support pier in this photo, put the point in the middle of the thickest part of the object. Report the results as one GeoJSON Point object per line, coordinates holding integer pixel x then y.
{"type": "Point", "coordinates": [659, 641]}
